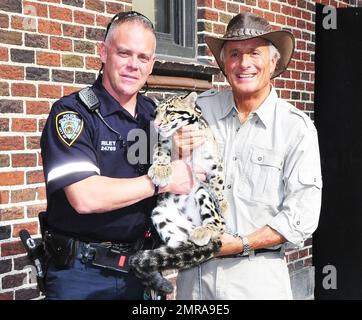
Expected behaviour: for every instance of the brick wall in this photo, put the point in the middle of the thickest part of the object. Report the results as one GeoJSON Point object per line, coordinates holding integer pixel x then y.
{"type": "Point", "coordinates": [48, 48]}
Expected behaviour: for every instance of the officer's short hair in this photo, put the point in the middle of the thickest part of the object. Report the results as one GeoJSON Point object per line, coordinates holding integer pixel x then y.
{"type": "Point", "coordinates": [128, 16]}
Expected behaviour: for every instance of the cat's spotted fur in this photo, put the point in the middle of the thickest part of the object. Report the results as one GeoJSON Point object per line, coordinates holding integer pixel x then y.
{"type": "Point", "coordinates": [189, 225]}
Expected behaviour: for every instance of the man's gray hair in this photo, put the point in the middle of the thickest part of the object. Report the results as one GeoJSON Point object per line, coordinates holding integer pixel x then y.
{"type": "Point", "coordinates": [273, 52]}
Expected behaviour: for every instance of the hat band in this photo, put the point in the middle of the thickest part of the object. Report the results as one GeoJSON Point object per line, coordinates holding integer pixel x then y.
{"type": "Point", "coordinates": [243, 33]}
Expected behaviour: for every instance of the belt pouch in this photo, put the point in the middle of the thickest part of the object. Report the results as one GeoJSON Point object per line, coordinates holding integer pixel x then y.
{"type": "Point", "coordinates": [109, 258]}
{"type": "Point", "coordinates": [60, 248]}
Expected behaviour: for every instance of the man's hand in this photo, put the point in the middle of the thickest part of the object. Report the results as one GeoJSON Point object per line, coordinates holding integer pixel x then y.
{"type": "Point", "coordinates": [182, 179]}
{"type": "Point", "coordinates": [186, 139]}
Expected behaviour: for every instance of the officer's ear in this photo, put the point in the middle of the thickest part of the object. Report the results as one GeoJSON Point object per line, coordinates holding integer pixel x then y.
{"type": "Point", "coordinates": [103, 52]}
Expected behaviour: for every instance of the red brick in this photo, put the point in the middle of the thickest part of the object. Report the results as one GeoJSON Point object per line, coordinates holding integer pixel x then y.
{"type": "Point", "coordinates": [11, 143]}
{"type": "Point", "coordinates": [49, 91]}
{"type": "Point", "coordinates": [4, 197]}
{"type": "Point", "coordinates": [24, 125]}
{"type": "Point", "coordinates": [4, 54]}
{"type": "Point", "coordinates": [33, 142]}
{"type": "Point", "coordinates": [12, 248]}
{"type": "Point", "coordinates": [114, 8]}
{"type": "Point", "coordinates": [68, 90]}
{"type": "Point", "coordinates": [73, 31]}
{"type": "Point", "coordinates": [263, 4]}
{"type": "Point", "coordinates": [93, 63]}
{"type": "Point", "coordinates": [41, 124]}
{"type": "Point", "coordinates": [23, 160]}
{"type": "Point", "coordinates": [48, 59]}
{"type": "Point", "coordinates": [41, 193]}
{"type": "Point", "coordinates": [36, 176]}
{"type": "Point", "coordinates": [40, 159]}
{"type": "Point", "coordinates": [204, 3]}
{"type": "Point", "coordinates": [275, 7]}
{"type": "Point", "coordinates": [11, 178]}
{"type": "Point", "coordinates": [23, 195]}
{"type": "Point", "coordinates": [303, 253]}
{"type": "Point", "coordinates": [23, 23]}
{"type": "Point", "coordinates": [95, 5]}
{"type": "Point", "coordinates": [32, 227]}
{"type": "Point", "coordinates": [84, 17]}
{"type": "Point", "coordinates": [102, 21]}
{"type": "Point", "coordinates": [6, 296]}
{"type": "Point", "coordinates": [23, 90]}
{"type": "Point", "coordinates": [37, 107]}
{"type": "Point", "coordinates": [49, 27]}
{"type": "Point", "coordinates": [219, 28]}
{"type": "Point", "coordinates": [35, 9]}
{"type": "Point", "coordinates": [11, 72]}
{"type": "Point", "coordinates": [220, 5]}
{"type": "Point", "coordinates": [232, 8]}
{"type": "Point", "coordinates": [12, 213]}
{"type": "Point", "coordinates": [33, 210]}
{"type": "Point", "coordinates": [60, 44]}
{"type": "Point", "coordinates": [208, 14]}
{"type": "Point", "coordinates": [60, 13]}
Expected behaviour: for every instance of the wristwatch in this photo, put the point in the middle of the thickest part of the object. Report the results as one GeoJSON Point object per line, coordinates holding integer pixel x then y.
{"type": "Point", "coordinates": [246, 246]}
{"type": "Point", "coordinates": [155, 193]}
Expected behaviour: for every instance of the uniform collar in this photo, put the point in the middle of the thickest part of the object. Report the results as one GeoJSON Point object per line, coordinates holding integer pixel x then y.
{"type": "Point", "coordinates": [110, 105]}
{"type": "Point", "coordinates": [263, 112]}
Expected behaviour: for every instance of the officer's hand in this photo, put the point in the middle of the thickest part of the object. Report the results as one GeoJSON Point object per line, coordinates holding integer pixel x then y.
{"type": "Point", "coordinates": [182, 179]}
{"type": "Point", "coordinates": [186, 139]}
{"type": "Point", "coordinates": [230, 245]}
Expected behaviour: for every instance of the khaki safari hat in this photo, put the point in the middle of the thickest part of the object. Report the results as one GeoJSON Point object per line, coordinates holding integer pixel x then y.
{"type": "Point", "coordinates": [248, 26]}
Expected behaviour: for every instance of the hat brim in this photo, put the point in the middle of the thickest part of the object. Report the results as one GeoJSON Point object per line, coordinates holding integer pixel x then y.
{"type": "Point", "coordinates": [283, 40]}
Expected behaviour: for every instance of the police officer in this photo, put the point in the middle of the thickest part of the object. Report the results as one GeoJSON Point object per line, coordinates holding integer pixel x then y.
{"type": "Point", "coordinates": [96, 192]}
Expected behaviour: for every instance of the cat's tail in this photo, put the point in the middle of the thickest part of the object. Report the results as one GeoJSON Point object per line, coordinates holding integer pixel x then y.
{"type": "Point", "coordinates": [147, 264]}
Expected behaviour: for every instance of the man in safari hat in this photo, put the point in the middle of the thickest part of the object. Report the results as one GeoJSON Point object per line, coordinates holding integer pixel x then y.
{"type": "Point", "coordinates": [272, 167]}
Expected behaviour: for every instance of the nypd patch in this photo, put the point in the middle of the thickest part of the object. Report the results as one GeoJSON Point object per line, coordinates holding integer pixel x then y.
{"type": "Point", "coordinates": [69, 126]}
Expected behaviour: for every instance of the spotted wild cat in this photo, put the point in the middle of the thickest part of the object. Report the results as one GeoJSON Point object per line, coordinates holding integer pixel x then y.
{"type": "Point", "coordinates": [189, 225]}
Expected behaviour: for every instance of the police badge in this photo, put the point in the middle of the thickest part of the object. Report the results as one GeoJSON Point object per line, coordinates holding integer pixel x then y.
{"type": "Point", "coordinates": [69, 126]}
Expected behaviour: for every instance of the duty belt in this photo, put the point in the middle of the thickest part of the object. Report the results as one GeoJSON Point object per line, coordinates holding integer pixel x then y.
{"type": "Point", "coordinates": [63, 249]}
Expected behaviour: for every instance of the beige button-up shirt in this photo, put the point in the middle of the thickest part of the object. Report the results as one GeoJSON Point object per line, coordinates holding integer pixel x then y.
{"type": "Point", "coordinates": [272, 165]}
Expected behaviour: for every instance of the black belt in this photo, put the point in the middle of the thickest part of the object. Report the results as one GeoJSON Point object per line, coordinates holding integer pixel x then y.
{"type": "Point", "coordinates": [256, 252]}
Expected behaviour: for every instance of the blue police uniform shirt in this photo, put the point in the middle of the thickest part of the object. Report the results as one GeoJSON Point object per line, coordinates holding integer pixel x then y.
{"type": "Point", "coordinates": [75, 145]}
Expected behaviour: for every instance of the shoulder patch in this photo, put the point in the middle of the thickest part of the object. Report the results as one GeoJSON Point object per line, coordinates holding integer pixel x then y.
{"type": "Point", "coordinates": [69, 125]}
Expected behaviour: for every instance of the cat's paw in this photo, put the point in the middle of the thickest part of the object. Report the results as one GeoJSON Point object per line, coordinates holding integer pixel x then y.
{"type": "Point", "coordinates": [201, 236]}
{"type": "Point", "coordinates": [160, 174]}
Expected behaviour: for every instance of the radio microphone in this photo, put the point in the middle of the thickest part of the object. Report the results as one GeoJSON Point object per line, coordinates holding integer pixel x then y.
{"type": "Point", "coordinates": [31, 249]}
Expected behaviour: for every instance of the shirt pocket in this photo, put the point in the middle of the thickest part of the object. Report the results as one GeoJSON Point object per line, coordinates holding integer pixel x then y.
{"type": "Point", "coordinates": [264, 174]}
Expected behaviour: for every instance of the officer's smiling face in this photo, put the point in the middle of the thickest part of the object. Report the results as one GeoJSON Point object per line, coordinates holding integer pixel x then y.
{"type": "Point", "coordinates": [128, 56]}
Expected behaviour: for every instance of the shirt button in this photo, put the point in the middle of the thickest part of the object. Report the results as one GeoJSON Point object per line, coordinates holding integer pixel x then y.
{"type": "Point", "coordinates": [228, 186]}
{"type": "Point", "coordinates": [260, 159]}
{"type": "Point", "coordinates": [235, 158]}
{"type": "Point", "coordinates": [256, 122]}
{"type": "Point", "coordinates": [298, 223]}
{"type": "Point", "coordinates": [237, 130]}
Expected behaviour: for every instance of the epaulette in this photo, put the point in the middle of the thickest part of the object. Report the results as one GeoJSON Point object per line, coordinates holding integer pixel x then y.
{"type": "Point", "coordinates": [308, 122]}
{"type": "Point", "coordinates": [208, 93]}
